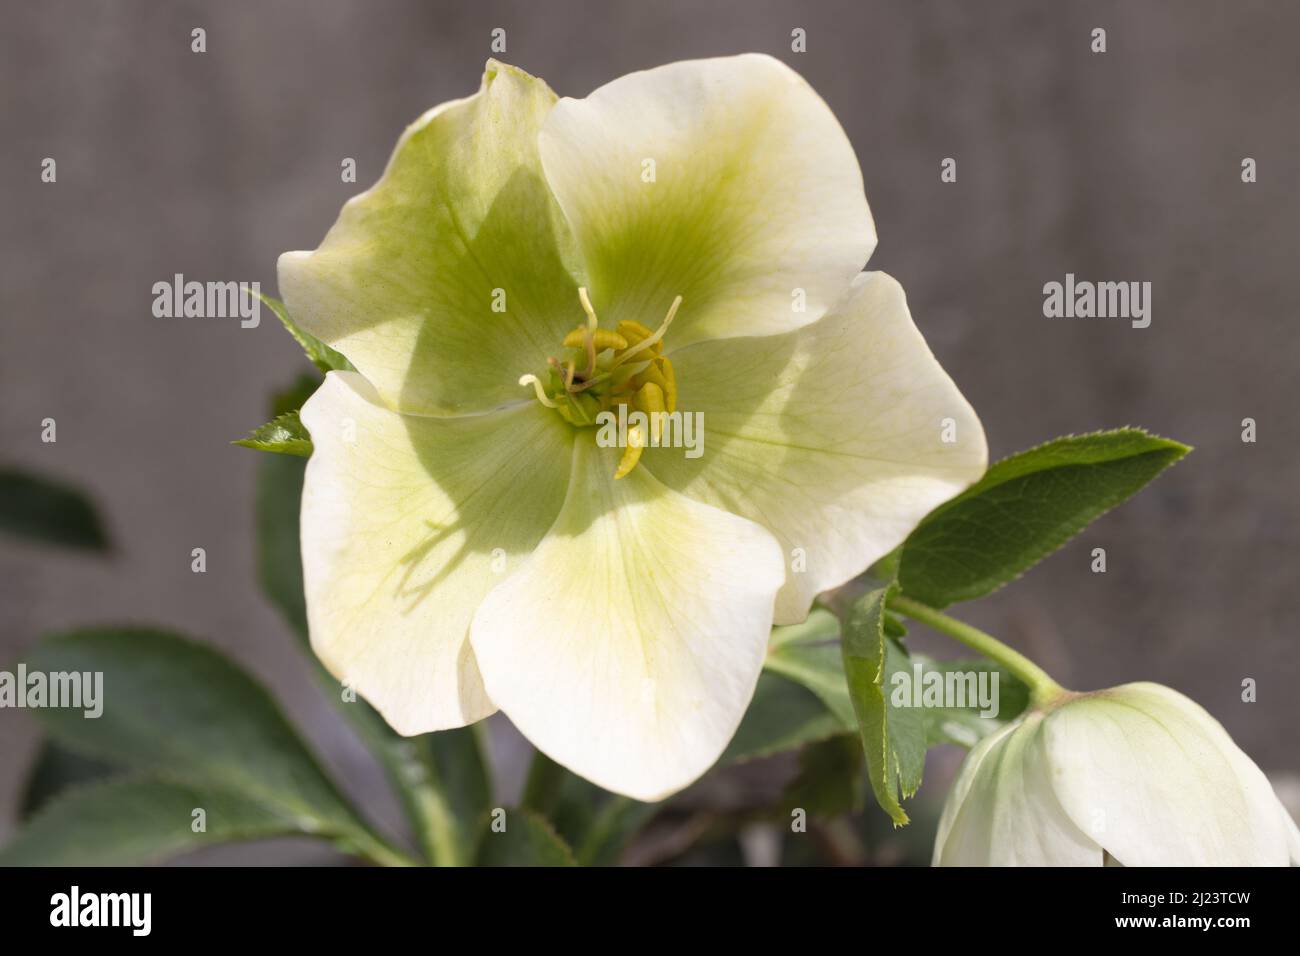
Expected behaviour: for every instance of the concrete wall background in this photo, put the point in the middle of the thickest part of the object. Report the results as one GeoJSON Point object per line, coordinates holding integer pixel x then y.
{"type": "Point", "coordinates": [1116, 166]}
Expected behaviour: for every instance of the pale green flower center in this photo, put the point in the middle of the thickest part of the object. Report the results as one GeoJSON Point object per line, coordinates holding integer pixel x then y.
{"type": "Point", "coordinates": [599, 370]}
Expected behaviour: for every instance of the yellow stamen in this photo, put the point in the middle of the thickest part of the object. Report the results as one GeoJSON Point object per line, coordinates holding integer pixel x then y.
{"type": "Point", "coordinates": [670, 384]}
{"type": "Point", "coordinates": [632, 373]}
{"type": "Point", "coordinates": [623, 377]}
{"type": "Point", "coordinates": [601, 338]}
{"type": "Point", "coordinates": [650, 399]}
{"type": "Point", "coordinates": [651, 373]}
{"type": "Point", "coordinates": [634, 332]}
{"type": "Point", "coordinates": [653, 339]}
{"type": "Point", "coordinates": [632, 453]}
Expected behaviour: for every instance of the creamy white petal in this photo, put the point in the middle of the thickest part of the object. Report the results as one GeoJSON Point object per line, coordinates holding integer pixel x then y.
{"type": "Point", "coordinates": [1292, 835]}
{"type": "Point", "coordinates": [627, 646]}
{"type": "Point", "coordinates": [407, 522]}
{"type": "Point", "coordinates": [1159, 782]}
{"type": "Point", "coordinates": [1005, 813]}
{"type": "Point", "coordinates": [833, 437]}
{"type": "Point", "coordinates": [755, 208]}
{"type": "Point", "coordinates": [961, 788]}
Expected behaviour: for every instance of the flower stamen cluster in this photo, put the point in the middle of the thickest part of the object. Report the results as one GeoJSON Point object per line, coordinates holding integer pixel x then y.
{"type": "Point", "coordinates": [602, 369]}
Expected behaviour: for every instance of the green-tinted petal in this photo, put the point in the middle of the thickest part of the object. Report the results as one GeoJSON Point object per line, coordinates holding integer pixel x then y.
{"type": "Point", "coordinates": [1002, 810]}
{"type": "Point", "coordinates": [405, 282]}
{"type": "Point", "coordinates": [1139, 772]}
{"type": "Point", "coordinates": [756, 206]}
{"type": "Point", "coordinates": [833, 437]}
{"type": "Point", "coordinates": [407, 522]}
{"type": "Point", "coordinates": [628, 644]}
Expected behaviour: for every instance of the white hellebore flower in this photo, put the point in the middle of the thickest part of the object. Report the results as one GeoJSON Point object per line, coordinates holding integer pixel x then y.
{"type": "Point", "coordinates": [1137, 775]}
{"type": "Point", "coordinates": [467, 543]}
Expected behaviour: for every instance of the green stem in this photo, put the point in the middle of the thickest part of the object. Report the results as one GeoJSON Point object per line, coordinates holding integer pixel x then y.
{"type": "Point", "coordinates": [375, 849]}
{"type": "Point", "coordinates": [615, 824]}
{"type": "Point", "coordinates": [457, 792]}
{"type": "Point", "coordinates": [425, 799]}
{"type": "Point", "coordinates": [1042, 689]}
{"type": "Point", "coordinates": [542, 790]}
{"type": "Point", "coordinates": [406, 774]}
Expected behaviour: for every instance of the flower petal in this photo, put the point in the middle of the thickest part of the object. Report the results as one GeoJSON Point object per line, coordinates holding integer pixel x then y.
{"type": "Point", "coordinates": [831, 437]}
{"type": "Point", "coordinates": [961, 788]}
{"type": "Point", "coordinates": [1159, 782]}
{"type": "Point", "coordinates": [407, 522]}
{"type": "Point", "coordinates": [1003, 811]}
{"type": "Point", "coordinates": [1292, 835]}
{"type": "Point", "coordinates": [756, 193]}
{"type": "Point", "coordinates": [628, 644]}
{"type": "Point", "coordinates": [406, 281]}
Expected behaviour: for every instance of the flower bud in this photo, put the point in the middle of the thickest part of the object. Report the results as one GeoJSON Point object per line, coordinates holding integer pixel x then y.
{"type": "Point", "coordinates": [1137, 775]}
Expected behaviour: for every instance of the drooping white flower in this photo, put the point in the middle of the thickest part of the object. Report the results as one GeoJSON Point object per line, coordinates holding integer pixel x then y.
{"type": "Point", "coordinates": [1137, 775]}
{"type": "Point", "coordinates": [467, 547]}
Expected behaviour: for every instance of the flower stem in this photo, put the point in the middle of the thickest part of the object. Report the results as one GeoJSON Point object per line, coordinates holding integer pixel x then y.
{"type": "Point", "coordinates": [375, 849]}
{"type": "Point", "coordinates": [1042, 689]}
{"type": "Point", "coordinates": [424, 796]}
{"type": "Point", "coordinates": [406, 774]}
{"type": "Point", "coordinates": [542, 789]}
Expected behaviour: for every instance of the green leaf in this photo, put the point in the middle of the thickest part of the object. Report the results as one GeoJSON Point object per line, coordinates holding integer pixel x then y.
{"type": "Point", "coordinates": [182, 710]}
{"type": "Point", "coordinates": [322, 356]}
{"type": "Point", "coordinates": [48, 511]}
{"type": "Point", "coordinates": [615, 822]}
{"type": "Point", "coordinates": [819, 627]}
{"type": "Point", "coordinates": [964, 726]}
{"type": "Point", "coordinates": [55, 770]}
{"type": "Point", "coordinates": [807, 702]}
{"type": "Point", "coordinates": [528, 840]}
{"type": "Point", "coordinates": [284, 435]}
{"type": "Point", "coordinates": [595, 822]}
{"type": "Point", "coordinates": [905, 725]}
{"type": "Point", "coordinates": [1024, 508]}
{"type": "Point", "coordinates": [830, 781]}
{"type": "Point", "coordinates": [279, 558]}
{"type": "Point", "coordinates": [293, 398]}
{"type": "Point", "coordinates": [894, 626]}
{"type": "Point", "coordinates": [898, 722]}
{"type": "Point", "coordinates": [809, 654]}
{"type": "Point", "coordinates": [783, 716]}
{"type": "Point", "coordinates": [128, 821]}
{"type": "Point", "coordinates": [864, 650]}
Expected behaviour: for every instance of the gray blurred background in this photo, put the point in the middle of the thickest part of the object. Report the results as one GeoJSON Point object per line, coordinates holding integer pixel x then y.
{"type": "Point", "coordinates": [1118, 166]}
